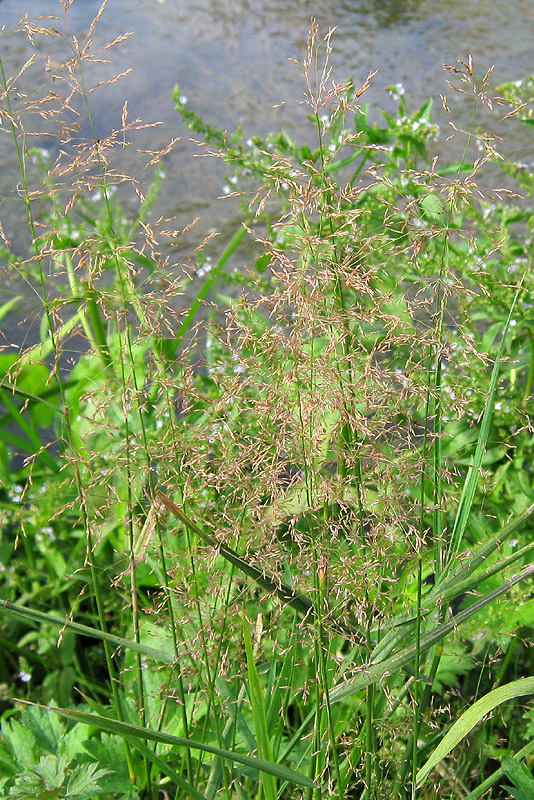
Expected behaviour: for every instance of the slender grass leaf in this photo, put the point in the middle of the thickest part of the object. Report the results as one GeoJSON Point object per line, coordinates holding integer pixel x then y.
{"type": "Point", "coordinates": [129, 731]}
{"type": "Point", "coordinates": [472, 717]}
{"type": "Point", "coordinates": [286, 594]}
{"type": "Point", "coordinates": [215, 274]}
{"type": "Point", "coordinates": [5, 308]}
{"type": "Point", "coordinates": [258, 711]}
{"type": "Point", "coordinates": [39, 352]}
{"type": "Point", "coordinates": [374, 672]}
{"type": "Point", "coordinates": [40, 617]}
{"type": "Point", "coordinates": [473, 472]}
{"type": "Point", "coordinates": [16, 390]}
{"type": "Point", "coordinates": [166, 769]}
{"type": "Point", "coordinates": [463, 579]}
{"type": "Point", "coordinates": [478, 557]}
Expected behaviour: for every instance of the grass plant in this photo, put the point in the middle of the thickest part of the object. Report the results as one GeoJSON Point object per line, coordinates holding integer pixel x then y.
{"type": "Point", "coordinates": [272, 542]}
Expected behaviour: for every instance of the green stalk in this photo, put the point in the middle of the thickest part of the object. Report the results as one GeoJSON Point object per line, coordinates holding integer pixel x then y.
{"type": "Point", "coordinates": [350, 441]}
{"type": "Point", "coordinates": [530, 379]}
{"type": "Point", "coordinates": [96, 317]}
{"type": "Point", "coordinates": [214, 705]}
{"type": "Point", "coordinates": [131, 536]}
{"type": "Point", "coordinates": [61, 389]}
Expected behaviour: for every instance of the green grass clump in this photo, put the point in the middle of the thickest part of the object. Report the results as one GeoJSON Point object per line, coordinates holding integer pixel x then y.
{"type": "Point", "coordinates": [272, 542]}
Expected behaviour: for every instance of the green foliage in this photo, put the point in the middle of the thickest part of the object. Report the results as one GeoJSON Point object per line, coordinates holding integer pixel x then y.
{"type": "Point", "coordinates": [339, 452]}
{"type": "Point", "coordinates": [520, 776]}
{"type": "Point", "coordinates": [41, 758]}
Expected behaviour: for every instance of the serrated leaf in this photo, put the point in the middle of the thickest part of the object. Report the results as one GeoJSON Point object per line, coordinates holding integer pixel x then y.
{"type": "Point", "coordinates": [84, 780]}
{"type": "Point", "coordinates": [45, 728]}
{"type": "Point", "coordinates": [20, 743]}
{"type": "Point", "coordinates": [519, 774]}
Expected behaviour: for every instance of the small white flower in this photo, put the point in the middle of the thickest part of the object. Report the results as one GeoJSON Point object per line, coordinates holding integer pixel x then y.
{"type": "Point", "coordinates": [396, 91]}
{"type": "Point", "coordinates": [15, 493]}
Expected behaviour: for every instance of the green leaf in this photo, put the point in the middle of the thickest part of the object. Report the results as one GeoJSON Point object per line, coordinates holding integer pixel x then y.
{"type": "Point", "coordinates": [374, 672]}
{"type": "Point", "coordinates": [135, 732]}
{"type": "Point", "coordinates": [45, 728]}
{"type": "Point", "coordinates": [19, 746]}
{"type": "Point", "coordinates": [9, 306]}
{"type": "Point", "coordinates": [214, 276]}
{"type": "Point", "coordinates": [84, 780]}
{"type": "Point", "coordinates": [167, 770]}
{"type": "Point", "coordinates": [472, 717]}
{"type": "Point", "coordinates": [483, 787]}
{"type": "Point", "coordinates": [425, 111]}
{"type": "Point", "coordinates": [85, 630]}
{"type": "Point", "coordinates": [454, 168]}
{"type": "Point", "coordinates": [519, 774]}
{"type": "Point", "coordinates": [464, 578]}
{"type": "Point", "coordinates": [471, 480]}
{"type": "Point", "coordinates": [434, 209]}
{"type": "Point", "coordinates": [258, 711]}
{"type": "Point", "coordinates": [298, 601]}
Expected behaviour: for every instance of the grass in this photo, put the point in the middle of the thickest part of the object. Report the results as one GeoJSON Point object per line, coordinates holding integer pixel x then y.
{"type": "Point", "coordinates": [276, 542]}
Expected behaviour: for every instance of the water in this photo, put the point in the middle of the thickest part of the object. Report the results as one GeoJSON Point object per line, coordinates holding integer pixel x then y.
{"type": "Point", "coordinates": [232, 60]}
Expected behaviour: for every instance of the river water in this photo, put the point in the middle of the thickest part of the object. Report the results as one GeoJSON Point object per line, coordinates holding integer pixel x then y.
{"type": "Point", "coordinates": [231, 59]}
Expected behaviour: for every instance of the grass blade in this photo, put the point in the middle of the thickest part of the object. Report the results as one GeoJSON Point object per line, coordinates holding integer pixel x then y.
{"type": "Point", "coordinates": [85, 630]}
{"type": "Point", "coordinates": [472, 717]}
{"type": "Point", "coordinates": [374, 672]}
{"type": "Point", "coordinates": [166, 769]}
{"type": "Point", "coordinates": [298, 601]}
{"type": "Point", "coordinates": [129, 731]}
{"type": "Point", "coordinates": [458, 582]}
{"type": "Point", "coordinates": [233, 244]}
{"type": "Point", "coordinates": [471, 480]}
{"type": "Point", "coordinates": [258, 711]}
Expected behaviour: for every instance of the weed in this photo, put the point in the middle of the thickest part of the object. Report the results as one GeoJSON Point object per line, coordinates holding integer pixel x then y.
{"type": "Point", "coordinates": [277, 551]}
